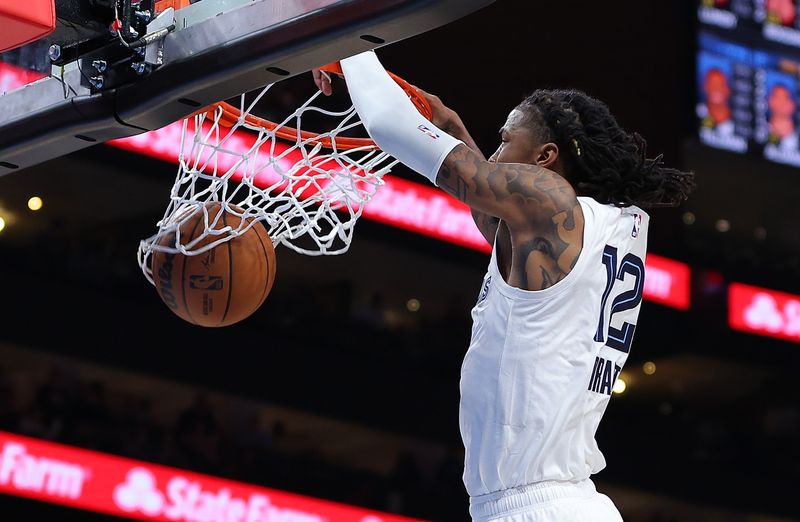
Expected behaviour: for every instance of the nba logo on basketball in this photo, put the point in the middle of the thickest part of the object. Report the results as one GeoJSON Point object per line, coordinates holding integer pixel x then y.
{"type": "Point", "coordinates": [429, 132]}
{"type": "Point", "coordinates": [204, 282]}
{"type": "Point", "coordinates": [637, 224]}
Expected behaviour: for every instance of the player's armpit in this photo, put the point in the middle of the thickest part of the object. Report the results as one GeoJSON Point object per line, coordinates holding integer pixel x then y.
{"type": "Point", "coordinates": [527, 197]}
{"type": "Point", "coordinates": [486, 224]}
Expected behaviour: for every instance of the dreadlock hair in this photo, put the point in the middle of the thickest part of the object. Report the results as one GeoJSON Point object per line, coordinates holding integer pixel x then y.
{"type": "Point", "coordinates": [601, 159]}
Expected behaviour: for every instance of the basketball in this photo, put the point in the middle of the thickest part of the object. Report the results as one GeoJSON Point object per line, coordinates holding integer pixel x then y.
{"type": "Point", "coordinates": [221, 286]}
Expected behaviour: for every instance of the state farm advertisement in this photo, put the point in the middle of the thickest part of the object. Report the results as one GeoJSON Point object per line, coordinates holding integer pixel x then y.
{"type": "Point", "coordinates": [104, 483]}
{"type": "Point", "coordinates": [764, 312]}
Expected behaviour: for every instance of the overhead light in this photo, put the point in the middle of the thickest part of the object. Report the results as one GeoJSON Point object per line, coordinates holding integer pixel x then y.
{"type": "Point", "coordinates": [723, 225]}
{"type": "Point", "coordinates": [649, 368]}
{"type": "Point", "coordinates": [35, 203]}
{"type": "Point", "coordinates": [2, 224]}
{"type": "Point", "coordinates": [620, 386]}
{"type": "Point", "coordinates": [413, 305]}
{"type": "Point", "coordinates": [688, 218]}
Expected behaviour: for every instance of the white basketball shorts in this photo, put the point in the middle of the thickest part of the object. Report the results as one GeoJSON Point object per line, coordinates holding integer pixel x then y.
{"type": "Point", "coordinates": [545, 502]}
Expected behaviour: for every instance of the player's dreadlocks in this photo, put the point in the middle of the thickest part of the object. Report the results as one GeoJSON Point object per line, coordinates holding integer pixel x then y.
{"type": "Point", "coordinates": [601, 159]}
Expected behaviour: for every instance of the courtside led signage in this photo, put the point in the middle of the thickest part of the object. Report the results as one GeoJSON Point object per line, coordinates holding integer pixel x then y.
{"type": "Point", "coordinates": [667, 282]}
{"type": "Point", "coordinates": [126, 488]}
{"type": "Point", "coordinates": [764, 312]}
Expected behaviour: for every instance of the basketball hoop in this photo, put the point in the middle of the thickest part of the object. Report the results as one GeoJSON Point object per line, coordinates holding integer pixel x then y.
{"type": "Point", "coordinates": [307, 188]}
{"type": "Point", "coordinates": [231, 115]}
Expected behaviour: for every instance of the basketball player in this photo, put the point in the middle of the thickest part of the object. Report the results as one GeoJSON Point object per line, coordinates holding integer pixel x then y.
{"type": "Point", "coordinates": [717, 113]}
{"type": "Point", "coordinates": [561, 201]}
{"type": "Point", "coordinates": [782, 109]}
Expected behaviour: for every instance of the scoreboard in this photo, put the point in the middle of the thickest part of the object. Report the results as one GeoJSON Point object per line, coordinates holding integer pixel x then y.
{"type": "Point", "coordinates": [748, 77]}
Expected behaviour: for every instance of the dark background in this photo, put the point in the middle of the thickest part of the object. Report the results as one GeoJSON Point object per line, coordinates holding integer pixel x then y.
{"type": "Point", "coordinates": [712, 435]}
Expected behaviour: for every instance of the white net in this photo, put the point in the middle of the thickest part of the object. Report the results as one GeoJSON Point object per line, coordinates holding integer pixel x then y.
{"type": "Point", "coordinates": [308, 197]}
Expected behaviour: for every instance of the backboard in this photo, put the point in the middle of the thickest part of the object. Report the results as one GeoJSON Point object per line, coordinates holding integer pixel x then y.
{"type": "Point", "coordinates": [208, 51]}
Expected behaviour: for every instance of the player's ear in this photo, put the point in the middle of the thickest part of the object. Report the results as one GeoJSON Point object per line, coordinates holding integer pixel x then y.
{"type": "Point", "coordinates": [547, 155]}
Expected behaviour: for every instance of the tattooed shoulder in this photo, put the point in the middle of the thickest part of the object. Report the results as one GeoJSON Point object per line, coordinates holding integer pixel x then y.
{"type": "Point", "coordinates": [540, 207]}
{"type": "Point", "coordinates": [547, 258]}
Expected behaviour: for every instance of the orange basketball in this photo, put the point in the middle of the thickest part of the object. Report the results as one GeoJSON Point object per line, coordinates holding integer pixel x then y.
{"type": "Point", "coordinates": [222, 286]}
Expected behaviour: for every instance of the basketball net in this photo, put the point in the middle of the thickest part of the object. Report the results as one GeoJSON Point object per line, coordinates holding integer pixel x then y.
{"type": "Point", "coordinates": [308, 191]}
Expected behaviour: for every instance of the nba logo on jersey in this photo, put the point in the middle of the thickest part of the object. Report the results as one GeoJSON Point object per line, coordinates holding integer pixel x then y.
{"type": "Point", "coordinates": [485, 290]}
{"type": "Point", "coordinates": [637, 224]}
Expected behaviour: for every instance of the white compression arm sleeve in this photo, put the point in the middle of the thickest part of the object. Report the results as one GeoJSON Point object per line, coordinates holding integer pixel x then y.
{"type": "Point", "coordinates": [391, 119]}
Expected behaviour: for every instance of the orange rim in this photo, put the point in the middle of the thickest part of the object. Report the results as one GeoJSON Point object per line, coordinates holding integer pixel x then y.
{"type": "Point", "coordinates": [230, 116]}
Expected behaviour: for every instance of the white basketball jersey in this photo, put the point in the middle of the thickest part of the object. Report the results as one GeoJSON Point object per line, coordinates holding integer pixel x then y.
{"type": "Point", "coordinates": [541, 365]}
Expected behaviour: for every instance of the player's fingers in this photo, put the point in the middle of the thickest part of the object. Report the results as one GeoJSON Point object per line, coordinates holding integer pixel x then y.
{"type": "Point", "coordinates": [325, 84]}
{"type": "Point", "coordinates": [428, 96]}
{"type": "Point", "coordinates": [421, 91]}
{"type": "Point", "coordinates": [434, 101]}
{"type": "Point", "coordinates": [317, 78]}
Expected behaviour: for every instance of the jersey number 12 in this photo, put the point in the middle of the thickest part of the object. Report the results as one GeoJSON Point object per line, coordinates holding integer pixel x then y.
{"type": "Point", "coordinates": [620, 339]}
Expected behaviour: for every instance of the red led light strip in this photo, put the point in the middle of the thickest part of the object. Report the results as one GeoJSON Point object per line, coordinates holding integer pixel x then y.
{"type": "Point", "coordinates": [122, 487]}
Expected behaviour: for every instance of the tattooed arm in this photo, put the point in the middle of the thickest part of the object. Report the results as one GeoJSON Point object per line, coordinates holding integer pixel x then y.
{"type": "Point", "coordinates": [449, 121]}
{"type": "Point", "coordinates": [518, 193]}
{"type": "Point", "coordinates": [486, 223]}
{"type": "Point", "coordinates": [539, 207]}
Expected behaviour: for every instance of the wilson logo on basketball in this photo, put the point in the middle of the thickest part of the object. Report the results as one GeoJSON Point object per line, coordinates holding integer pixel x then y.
{"type": "Point", "coordinates": [26, 472]}
{"type": "Point", "coordinates": [204, 282]}
{"type": "Point", "coordinates": [165, 282]}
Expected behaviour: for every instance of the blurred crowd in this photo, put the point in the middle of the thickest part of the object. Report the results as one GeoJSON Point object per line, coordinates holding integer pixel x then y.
{"type": "Point", "coordinates": [204, 436]}
{"type": "Point", "coordinates": [66, 408]}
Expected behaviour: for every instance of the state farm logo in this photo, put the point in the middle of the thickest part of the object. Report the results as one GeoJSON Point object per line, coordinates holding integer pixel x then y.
{"type": "Point", "coordinates": [139, 492]}
{"type": "Point", "coordinates": [187, 500]}
{"type": "Point", "coordinates": [26, 472]}
{"type": "Point", "coordinates": [764, 313]}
